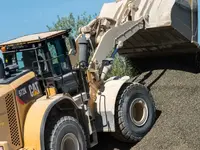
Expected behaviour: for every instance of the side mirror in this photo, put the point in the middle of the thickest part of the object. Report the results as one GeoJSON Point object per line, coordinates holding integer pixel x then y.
{"type": "Point", "coordinates": [106, 67]}
{"type": "Point", "coordinates": [72, 46]}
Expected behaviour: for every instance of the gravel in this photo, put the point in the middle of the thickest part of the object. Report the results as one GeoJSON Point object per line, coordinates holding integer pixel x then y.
{"type": "Point", "coordinates": [177, 97]}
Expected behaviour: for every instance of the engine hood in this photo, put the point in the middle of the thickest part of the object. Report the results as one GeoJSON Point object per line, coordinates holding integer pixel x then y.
{"type": "Point", "coordinates": [4, 89]}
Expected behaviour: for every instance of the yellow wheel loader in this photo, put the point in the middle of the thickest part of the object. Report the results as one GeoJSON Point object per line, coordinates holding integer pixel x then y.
{"type": "Point", "coordinates": [47, 104]}
{"type": "Point", "coordinates": [53, 92]}
{"type": "Point", "coordinates": [53, 98]}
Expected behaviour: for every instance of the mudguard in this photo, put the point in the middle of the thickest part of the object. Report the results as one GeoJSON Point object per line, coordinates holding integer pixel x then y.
{"type": "Point", "coordinates": [105, 104]}
{"type": "Point", "coordinates": [36, 119]}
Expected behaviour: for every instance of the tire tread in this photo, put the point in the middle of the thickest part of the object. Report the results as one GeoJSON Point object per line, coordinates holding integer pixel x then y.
{"type": "Point", "coordinates": [122, 133]}
{"type": "Point", "coordinates": [54, 124]}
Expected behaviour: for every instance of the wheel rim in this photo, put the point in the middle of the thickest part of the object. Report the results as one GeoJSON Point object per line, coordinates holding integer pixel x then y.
{"type": "Point", "coordinates": [70, 142]}
{"type": "Point", "coordinates": [139, 112]}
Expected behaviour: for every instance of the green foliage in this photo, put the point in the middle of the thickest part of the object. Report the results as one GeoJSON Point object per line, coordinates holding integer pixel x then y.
{"type": "Point", "coordinates": [71, 22]}
{"type": "Point", "coordinates": [121, 67]}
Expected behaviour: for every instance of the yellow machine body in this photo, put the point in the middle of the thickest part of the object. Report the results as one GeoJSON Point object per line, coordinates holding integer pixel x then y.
{"type": "Point", "coordinates": [13, 113]}
{"type": "Point", "coordinates": [22, 124]}
{"type": "Point", "coordinates": [25, 101]}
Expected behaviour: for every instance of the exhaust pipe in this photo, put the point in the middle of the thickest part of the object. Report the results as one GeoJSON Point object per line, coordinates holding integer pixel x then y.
{"type": "Point", "coordinates": [83, 52]}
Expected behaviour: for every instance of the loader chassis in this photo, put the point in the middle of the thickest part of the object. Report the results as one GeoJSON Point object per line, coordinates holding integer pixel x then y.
{"type": "Point", "coordinates": [50, 93]}
{"type": "Point", "coordinates": [44, 90]}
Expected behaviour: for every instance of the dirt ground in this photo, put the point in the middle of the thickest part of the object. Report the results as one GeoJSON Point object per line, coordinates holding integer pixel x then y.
{"type": "Point", "coordinates": [177, 98]}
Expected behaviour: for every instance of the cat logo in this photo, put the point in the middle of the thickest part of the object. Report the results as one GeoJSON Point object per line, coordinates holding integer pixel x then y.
{"type": "Point", "coordinates": [34, 89]}
{"type": "Point", "coordinates": [36, 92]}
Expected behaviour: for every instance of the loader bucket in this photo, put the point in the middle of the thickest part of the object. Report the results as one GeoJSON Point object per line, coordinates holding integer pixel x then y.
{"type": "Point", "coordinates": [145, 28]}
{"type": "Point", "coordinates": [171, 27]}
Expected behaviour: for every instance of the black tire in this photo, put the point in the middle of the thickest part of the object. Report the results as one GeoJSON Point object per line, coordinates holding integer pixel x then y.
{"type": "Point", "coordinates": [126, 129]}
{"type": "Point", "coordinates": [59, 131]}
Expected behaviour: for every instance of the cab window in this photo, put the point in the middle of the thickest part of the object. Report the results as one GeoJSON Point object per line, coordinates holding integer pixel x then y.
{"type": "Point", "coordinates": [60, 61]}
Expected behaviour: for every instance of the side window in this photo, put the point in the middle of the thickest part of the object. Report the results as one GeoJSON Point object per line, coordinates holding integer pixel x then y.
{"type": "Point", "coordinates": [60, 61]}
{"type": "Point", "coordinates": [1, 56]}
{"type": "Point", "coordinates": [64, 61]}
{"type": "Point", "coordinates": [28, 58]}
{"type": "Point", "coordinates": [54, 57]}
{"type": "Point", "coordinates": [52, 50]}
{"type": "Point", "coordinates": [10, 59]}
{"type": "Point", "coordinates": [20, 60]}
{"type": "Point", "coordinates": [42, 59]}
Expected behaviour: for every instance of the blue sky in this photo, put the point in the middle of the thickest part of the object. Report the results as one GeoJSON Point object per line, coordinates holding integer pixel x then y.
{"type": "Point", "coordinates": [21, 17]}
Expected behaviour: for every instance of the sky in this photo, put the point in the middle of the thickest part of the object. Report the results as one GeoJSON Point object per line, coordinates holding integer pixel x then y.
{"type": "Point", "coordinates": [22, 17]}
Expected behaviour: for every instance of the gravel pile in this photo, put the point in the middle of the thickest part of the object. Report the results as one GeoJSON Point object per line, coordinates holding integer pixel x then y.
{"type": "Point", "coordinates": [177, 97]}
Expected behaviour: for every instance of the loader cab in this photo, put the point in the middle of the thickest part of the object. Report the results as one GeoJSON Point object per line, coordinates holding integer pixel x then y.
{"type": "Point", "coordinates": [48, 57]}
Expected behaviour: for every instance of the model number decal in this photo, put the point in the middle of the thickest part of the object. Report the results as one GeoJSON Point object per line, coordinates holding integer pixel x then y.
{"type": "Point", "coordinates": [22, 92]}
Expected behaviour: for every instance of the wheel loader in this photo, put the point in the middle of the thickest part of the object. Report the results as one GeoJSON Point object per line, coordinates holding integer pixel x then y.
{"type": "Point", "coordinates": [53, 89]}
{"type": "Point", "coordinates": [47, 103]}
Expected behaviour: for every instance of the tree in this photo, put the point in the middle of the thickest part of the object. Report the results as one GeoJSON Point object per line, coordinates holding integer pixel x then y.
{"type": "Point", "coordinates": [121, 66]}
{"type": "Point", "coordinates": [72, 22]}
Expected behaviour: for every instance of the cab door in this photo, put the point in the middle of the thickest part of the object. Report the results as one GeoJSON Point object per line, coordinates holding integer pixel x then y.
{"type": "Point", "coordinates": [65, 77]}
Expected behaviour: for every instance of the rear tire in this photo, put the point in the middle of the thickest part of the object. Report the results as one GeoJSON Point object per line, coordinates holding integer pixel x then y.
{"type": "Point", "coordinates": [66, 133]}
{"type": "Point", "coordinates": [135, 113]}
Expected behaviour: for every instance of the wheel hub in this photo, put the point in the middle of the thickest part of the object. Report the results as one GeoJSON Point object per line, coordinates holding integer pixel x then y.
{"type": "Point", "coordinates": [70, 142]}
{"type": "Point", "coordinates": [138, 112]}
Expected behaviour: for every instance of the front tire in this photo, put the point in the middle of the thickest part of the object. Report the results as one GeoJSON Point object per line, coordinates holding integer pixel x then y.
{"type": "Point", "coordinates": [66, 133]}
{"type": "Point", "coordinates": [135, 113]}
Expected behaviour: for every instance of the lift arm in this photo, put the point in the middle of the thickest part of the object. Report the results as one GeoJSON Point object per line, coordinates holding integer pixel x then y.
{"type": "Point", "coordinates": [106, 34]}
{"type": "Point", "coordinates": [111, 29]}
{"type": "Point", "coordinates": [113, 39]}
